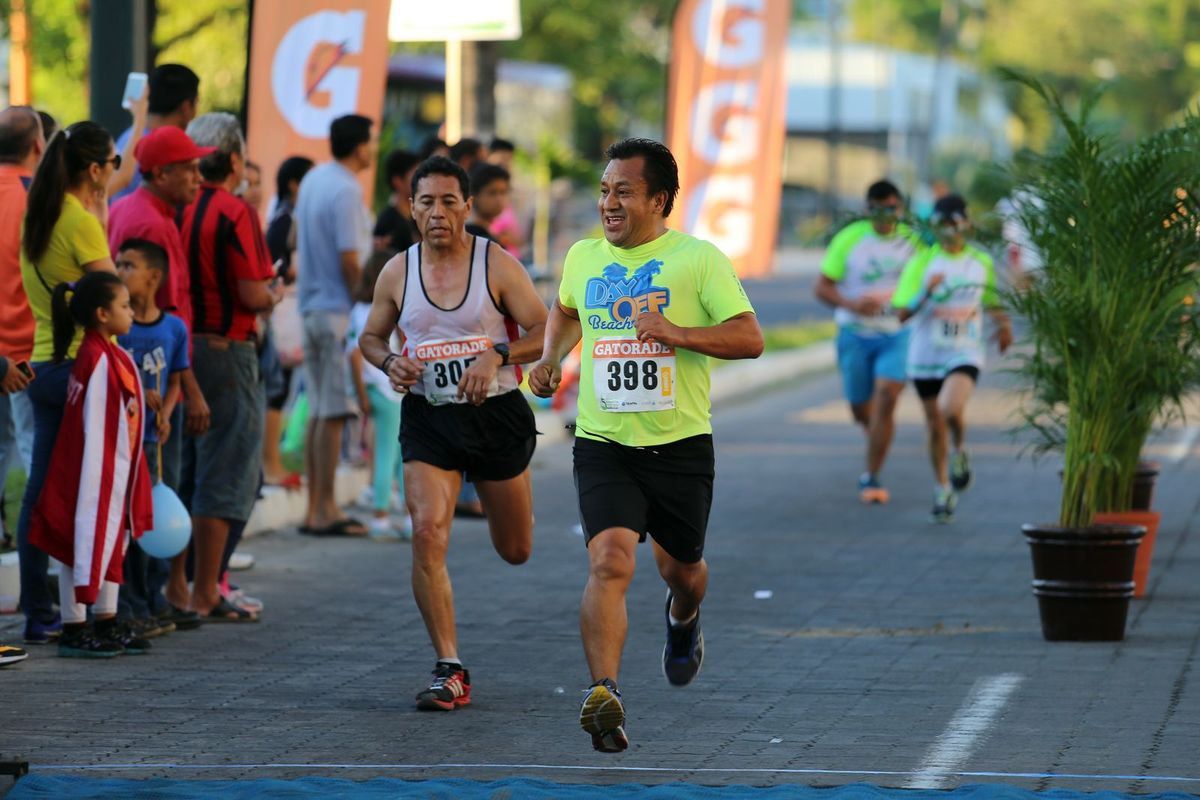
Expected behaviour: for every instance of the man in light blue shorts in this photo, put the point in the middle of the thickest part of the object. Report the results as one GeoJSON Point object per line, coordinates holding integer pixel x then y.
{"type": "Point", "coordinates": [858, 276]}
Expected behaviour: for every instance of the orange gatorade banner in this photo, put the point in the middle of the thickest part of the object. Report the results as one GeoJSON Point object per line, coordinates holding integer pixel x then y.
{"type": "Point", "coordinates": [725, 124]}
{"type": "Point", "coordinates": [312, 61]}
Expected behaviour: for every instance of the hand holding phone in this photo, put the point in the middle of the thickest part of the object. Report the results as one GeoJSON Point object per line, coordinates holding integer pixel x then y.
{"type": "Point", "coordinates": [135, 88]}
{"type": "Point", "coordinates": [16, 378]}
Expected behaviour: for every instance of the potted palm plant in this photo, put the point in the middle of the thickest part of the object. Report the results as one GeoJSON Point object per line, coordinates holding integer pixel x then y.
{"type": "Point", "coordinates": [1112, 344]}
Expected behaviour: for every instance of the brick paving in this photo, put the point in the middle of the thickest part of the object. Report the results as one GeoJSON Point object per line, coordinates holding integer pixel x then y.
{"type": "Point", "coordinates": [877, 628]}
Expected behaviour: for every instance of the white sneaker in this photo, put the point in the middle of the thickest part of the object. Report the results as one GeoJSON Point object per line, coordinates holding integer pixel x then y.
{"type": "Point", "coordinates": [242, 600]}
{"type": "Point", "coordinates": [240, 561]}
{"type": "Point", "coordinates": [380, 528]}
{"type": "Point", "coordinates": [366, 498]}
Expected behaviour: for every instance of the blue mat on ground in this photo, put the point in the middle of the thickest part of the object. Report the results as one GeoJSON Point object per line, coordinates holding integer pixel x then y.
{"type": "Point", "coordinates": [43, 786]}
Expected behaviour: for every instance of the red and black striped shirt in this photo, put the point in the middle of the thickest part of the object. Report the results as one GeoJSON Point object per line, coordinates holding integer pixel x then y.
{"type": "Point", "coordinates": [225, 244]}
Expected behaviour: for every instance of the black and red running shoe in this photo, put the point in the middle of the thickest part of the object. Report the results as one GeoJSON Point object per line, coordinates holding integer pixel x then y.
{"type": "Point", "coordinates": [450, 689]}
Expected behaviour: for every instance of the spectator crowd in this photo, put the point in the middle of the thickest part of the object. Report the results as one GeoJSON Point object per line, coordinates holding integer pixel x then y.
{"type": "Point", "coordinates": [156, 329]}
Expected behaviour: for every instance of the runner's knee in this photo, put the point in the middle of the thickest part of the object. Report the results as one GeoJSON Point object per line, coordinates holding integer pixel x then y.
{"type": "Point", "coordinates": [516, 550]}
{"type": "Point", "coordinates": [610, 563]}
{"type": "Point", "coordinates": [430, 539]}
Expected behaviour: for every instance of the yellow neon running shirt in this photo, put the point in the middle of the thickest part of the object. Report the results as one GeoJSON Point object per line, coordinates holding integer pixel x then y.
{"type": "Point", "coordinates": [631, 393]}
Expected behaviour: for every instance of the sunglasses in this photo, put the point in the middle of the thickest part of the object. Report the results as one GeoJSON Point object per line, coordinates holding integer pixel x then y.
{"type": "Point", "coordinates": [115, 161]}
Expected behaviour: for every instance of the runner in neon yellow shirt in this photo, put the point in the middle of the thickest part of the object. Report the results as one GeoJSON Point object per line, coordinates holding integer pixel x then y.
{"type": "Point", "coordinates": [945, 291]}
{"type": "Point", "coordinates": [651, 306]}
{"type": "Point", "coordinates": [858, 276]}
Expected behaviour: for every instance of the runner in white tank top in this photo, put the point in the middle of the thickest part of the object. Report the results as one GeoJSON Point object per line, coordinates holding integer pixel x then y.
{"type": "Point", "coordinates": [449, 340]}
{"type": "Point", "coordinates": [458, 301]}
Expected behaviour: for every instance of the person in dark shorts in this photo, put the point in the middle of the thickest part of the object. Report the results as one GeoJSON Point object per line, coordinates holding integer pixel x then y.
{"type": "Point", "coordinates": [945, 291]}
{"type": "Point", "coordinates": [651, 306]}
{"type": "Point", "coordinates": [457, 300]}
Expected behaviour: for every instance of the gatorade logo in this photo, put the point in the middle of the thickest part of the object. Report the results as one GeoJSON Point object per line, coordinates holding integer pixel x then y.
{"type": "Point", "coordinates": [311, 81]}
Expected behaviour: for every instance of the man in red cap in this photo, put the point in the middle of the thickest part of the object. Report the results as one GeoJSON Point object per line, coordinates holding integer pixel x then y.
{"type": "Point", "coordinates": [169, 163]}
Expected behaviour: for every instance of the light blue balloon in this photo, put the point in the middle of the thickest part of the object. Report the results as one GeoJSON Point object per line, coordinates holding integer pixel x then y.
{"type": "Point", "coordinates": [172, 525]}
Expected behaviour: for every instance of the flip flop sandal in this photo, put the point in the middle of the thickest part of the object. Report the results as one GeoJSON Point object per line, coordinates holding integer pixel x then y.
{"type": "Point", "coordinates": [225, 611]}
{"type": "Point", "coordinates": [343, 527]}
{"type": "Point", "coordinates": [184, 620]}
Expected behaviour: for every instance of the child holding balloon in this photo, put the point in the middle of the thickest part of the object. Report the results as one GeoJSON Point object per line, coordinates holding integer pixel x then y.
{"type": "Point", "coordinates": [158, 342]}
{"type": "Point", "coordinates": [97, 489]}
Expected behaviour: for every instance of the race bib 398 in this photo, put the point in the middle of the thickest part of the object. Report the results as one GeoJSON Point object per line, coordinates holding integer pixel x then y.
{"type": "Point", "coordinates": [629, 375]}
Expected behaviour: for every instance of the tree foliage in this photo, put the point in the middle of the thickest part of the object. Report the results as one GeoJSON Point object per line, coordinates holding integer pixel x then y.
{"type": "Point", "coordinates": [1145, 50]}
{"type": "Point", "coordinates": [617, 52]}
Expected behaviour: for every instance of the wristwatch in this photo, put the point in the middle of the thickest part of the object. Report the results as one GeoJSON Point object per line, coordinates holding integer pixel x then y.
{"type": "Point", "coordinates": [502, 349]}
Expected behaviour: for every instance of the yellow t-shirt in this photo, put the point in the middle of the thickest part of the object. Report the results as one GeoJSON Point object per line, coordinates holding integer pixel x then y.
{"type": "Point", "coordinates": [77, 239]}
{"type": "Point", "coordinates": [631, 393]}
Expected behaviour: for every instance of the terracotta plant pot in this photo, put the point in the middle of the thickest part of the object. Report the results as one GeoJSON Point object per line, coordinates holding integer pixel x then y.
{"type": "Point", "coordinates": [1148, 520]}
{"type": "Point", "coordinates": [1143, 485]}
{"type": "Point", "coordinates": [1083, 579]}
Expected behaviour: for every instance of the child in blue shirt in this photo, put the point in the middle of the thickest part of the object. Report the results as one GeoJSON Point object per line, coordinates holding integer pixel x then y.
{"type": "Point", "coordinates": [158, 342]}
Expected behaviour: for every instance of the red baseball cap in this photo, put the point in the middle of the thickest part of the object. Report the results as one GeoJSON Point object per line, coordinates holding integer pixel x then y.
{"type": "Point", "coordinates": [167, 145]}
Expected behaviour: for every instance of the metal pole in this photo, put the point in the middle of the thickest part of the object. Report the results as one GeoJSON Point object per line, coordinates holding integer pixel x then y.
{"type": "Point", "coordinates": [111, 60]}
{"type": "Point", "coordinates": [835, 107]}
{"type": "Point", "coordinates": [454, 91]}
{"type": "Point", "coordinates": [947, 36]}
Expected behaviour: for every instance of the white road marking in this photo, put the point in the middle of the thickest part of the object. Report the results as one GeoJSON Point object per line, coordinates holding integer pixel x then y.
{"type": "Point", "coordinates": [950, 752]}
{"type": "Point", "coordinates": [1065, 776]}
{"type": "Point", "coordinates": [1183, 448]}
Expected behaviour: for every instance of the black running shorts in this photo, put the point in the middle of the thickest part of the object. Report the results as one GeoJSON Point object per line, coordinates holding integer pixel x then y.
{"type": "Point", "coordinates": [491, 442]}
{"type": "Point", "coordinates": [664, 491]}
{"type": "Point", "coordinates": [929, 388]}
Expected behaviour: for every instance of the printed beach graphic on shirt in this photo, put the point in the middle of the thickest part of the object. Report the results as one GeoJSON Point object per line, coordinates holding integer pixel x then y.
{"type": "Point", "coordinates": [625, 296]}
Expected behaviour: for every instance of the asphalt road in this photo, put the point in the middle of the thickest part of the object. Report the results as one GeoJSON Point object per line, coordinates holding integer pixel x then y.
{"type": "Point", "coordinates": [843, 644]}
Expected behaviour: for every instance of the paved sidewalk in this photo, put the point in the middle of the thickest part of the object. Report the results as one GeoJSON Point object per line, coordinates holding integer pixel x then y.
{"type": "Point", "coordinates": [889, 650]}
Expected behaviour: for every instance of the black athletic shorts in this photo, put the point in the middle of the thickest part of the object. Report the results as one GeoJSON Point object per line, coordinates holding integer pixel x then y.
{"type": "Point", "coordinates": [664, 491]}
{"type": "Point", "coordinates": [491, 442]}
{"type": "Point", "coordinates": [929, 388]}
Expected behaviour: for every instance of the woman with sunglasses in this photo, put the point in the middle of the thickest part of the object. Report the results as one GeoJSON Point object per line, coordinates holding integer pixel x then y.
{"type": "Point", "coordinates": [64, 239]}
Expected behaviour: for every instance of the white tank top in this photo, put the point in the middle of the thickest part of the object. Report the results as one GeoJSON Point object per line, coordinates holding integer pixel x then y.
{"type": "Point", "coordinates": [448, 340]}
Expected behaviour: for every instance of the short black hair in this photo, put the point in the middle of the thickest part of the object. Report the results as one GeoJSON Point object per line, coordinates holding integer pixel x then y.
{"type": "Point", "coordinates": [483, 174]}
{"type": "Point", "coordinates": [172, 85]}
{"type": "Point", "coordinates": [502, 144]}
{"type": "Point", "coordinates": [348, 132]}
{"type": "Point", "coordinates": [398, 163]}
{"type": "Point", "coordinates": [952, 207]}
{"type": "Point", "coordinates": [465, 147]}
{"type": "Point", "coordinates": [293, 168]}
{"type": "Point", "coordinates": [883, 190]}
{"type": "Point", "coordinates": [18, 134]}
{"type": "Point", "coordinates": [155, 255]}
{"type": "Point", "coordinates": [440, 165]}
{"type": "Point", "coordinates": [659, 167]}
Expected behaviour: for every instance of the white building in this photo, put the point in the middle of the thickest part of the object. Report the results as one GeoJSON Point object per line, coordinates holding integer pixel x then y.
{"type": "Point", "coordinates": [890, 111]}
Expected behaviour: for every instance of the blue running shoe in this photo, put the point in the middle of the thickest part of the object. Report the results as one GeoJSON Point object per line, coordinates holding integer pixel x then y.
{"type": "Point", "coordinates": [37, 632]}
{"type": "Point", "coordinates": [683, 653]}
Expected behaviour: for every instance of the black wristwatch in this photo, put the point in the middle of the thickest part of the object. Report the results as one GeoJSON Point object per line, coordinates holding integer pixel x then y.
{"type": "Point", "coordinates": [502, 349]}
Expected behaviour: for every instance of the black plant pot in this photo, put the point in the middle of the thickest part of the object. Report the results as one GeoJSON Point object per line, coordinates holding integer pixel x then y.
{"type": "Point", "coordinates": [1083, 579]}
{"type": "Point", "coordinates": [1143, 485]}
